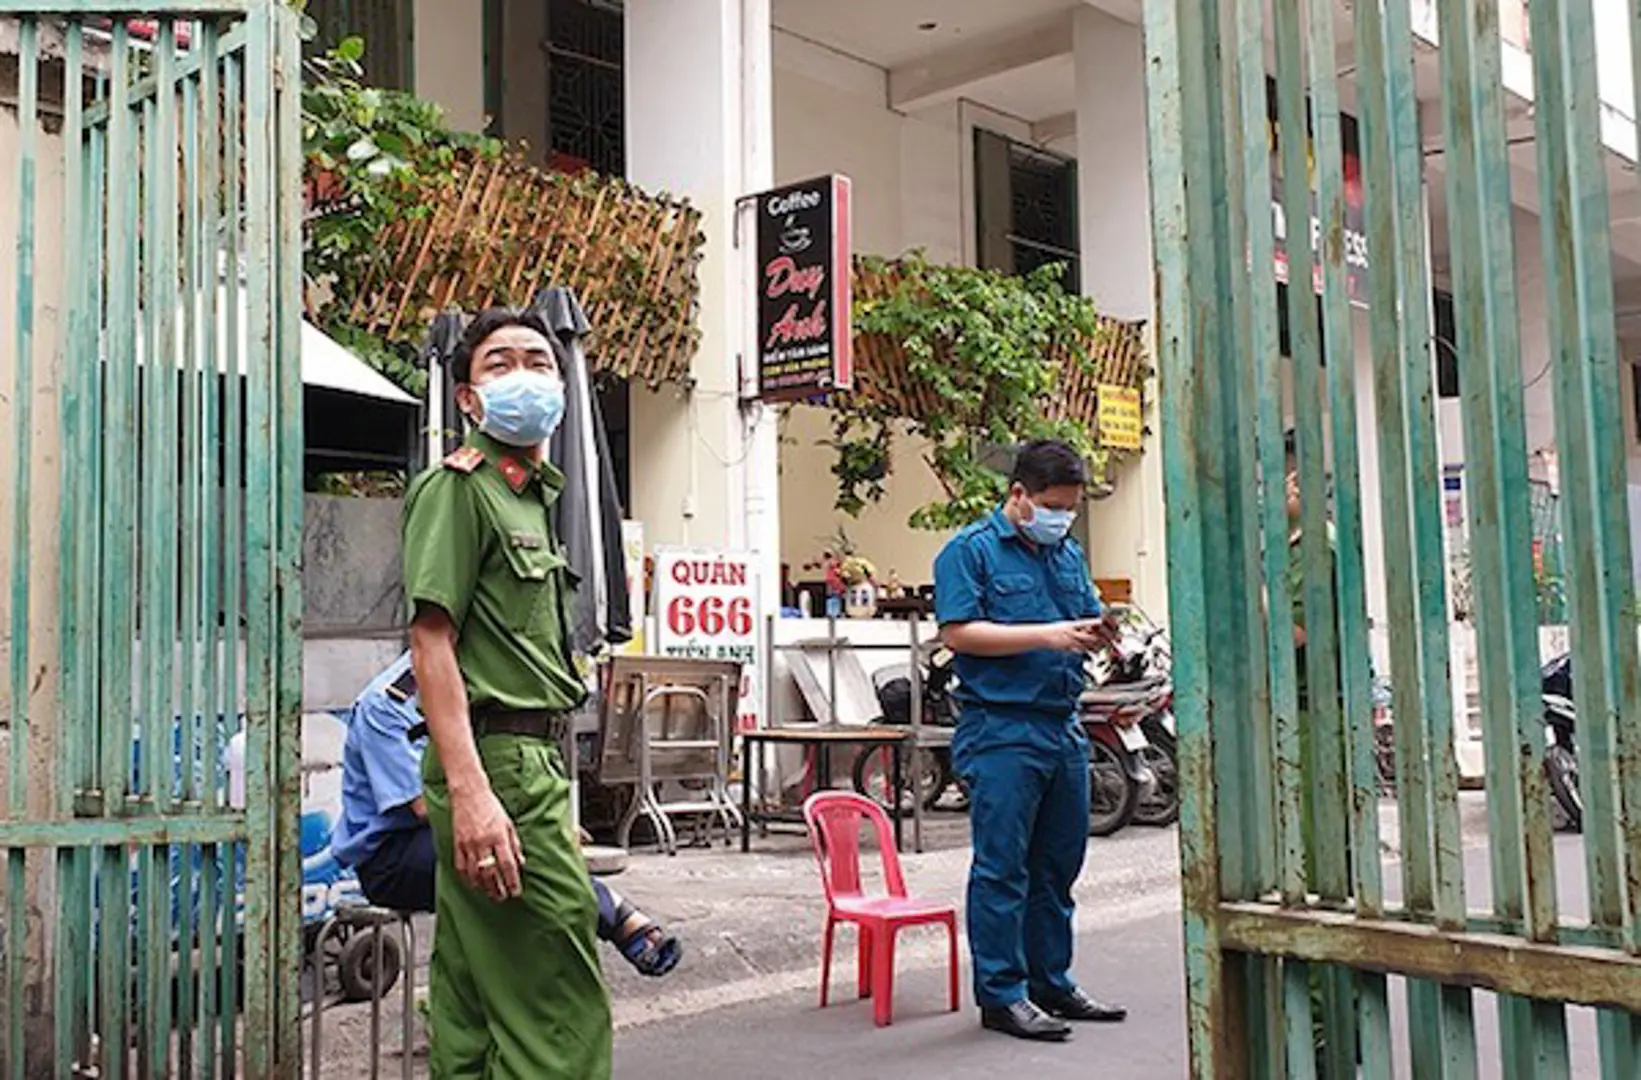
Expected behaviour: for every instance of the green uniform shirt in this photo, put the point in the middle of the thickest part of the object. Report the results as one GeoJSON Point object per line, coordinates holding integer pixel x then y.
{"type": "Point", "coordinates": [1296, 589]}
{"type": "Point", "coordinates": [478, 543]}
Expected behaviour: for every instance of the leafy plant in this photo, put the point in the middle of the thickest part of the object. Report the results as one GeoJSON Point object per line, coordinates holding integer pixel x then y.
{"type": "Point", "coordinates": [857, 570]}
{"type": "Point", "coordinates": [391, 238]}
{"type": "Point", "coordinates": [1549, 591]}
{"type": "Point", "coordinates": [990, 354]}
{"type": "Point", "coordinates": [366, 149]}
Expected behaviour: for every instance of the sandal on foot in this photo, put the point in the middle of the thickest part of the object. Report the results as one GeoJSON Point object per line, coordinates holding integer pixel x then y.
{"type": "Point", "coordinates": [651, 949]}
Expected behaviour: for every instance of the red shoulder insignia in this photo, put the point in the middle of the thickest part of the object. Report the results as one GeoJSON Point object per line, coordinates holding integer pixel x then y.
{"type": "Point", "coordinates": [465, 460]}
{"type": "Point", "coordinates": [514, 473]}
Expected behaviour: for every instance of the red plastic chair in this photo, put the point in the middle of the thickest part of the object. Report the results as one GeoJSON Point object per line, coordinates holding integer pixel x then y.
{"type": "Point", "coordinates": [834, 819]}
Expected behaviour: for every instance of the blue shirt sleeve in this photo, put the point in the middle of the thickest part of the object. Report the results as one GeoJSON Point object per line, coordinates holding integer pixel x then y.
{"type": "Point", "coordinates": [393, 764]}
{"type": "Point", "coordinates": [958, 588]}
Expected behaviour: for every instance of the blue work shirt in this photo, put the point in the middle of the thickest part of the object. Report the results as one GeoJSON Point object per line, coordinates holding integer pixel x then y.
{"type": "Point", "coordinates": [381, 768]}
{"type": "Point", "coordinates": [990, 573]}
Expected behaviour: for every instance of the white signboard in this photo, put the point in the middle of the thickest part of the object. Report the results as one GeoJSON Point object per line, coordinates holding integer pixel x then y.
{"type": "Point", "coordinates": [706, 608]}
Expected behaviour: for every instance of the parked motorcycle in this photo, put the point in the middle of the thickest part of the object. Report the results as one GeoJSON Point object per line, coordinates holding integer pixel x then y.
{"type": "Point", "coordinates": [927, 774]}
{"type": "Point", "coordinates": [1118, 778]}
{"type": "Point", "coordinates": [1140, 661]}
{"type": "Point", "coordinates": [1560, 747]}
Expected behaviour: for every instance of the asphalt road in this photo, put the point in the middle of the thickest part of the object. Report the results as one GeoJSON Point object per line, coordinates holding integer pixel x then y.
{"type": "Point", "coordinates": [787, 1036]}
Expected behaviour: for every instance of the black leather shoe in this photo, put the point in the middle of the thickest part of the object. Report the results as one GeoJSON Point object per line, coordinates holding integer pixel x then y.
{"type": "Point", "coordinates": [1024, 1020]}
{"type": "Point", "coordinates": [1077, 1005]}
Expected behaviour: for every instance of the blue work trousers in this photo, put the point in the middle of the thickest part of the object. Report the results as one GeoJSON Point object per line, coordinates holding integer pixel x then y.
{"type": "Point", "coordinates": [1028, 787]}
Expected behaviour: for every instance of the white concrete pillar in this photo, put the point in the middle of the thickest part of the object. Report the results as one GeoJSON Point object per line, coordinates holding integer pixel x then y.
{"type": "Point", "coordinates": [698, 116]}
{"type": "Point", "coordinates": [1113, 216]}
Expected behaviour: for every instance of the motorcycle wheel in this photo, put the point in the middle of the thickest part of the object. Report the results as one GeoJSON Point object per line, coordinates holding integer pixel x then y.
{"type": "Point", "coordinates": [1161, 808]}
{"type": "Point", "coordinates": [927, 773]}
{"type": "Point", "coordinates": [1561, 767]}
{"type": "Point", "coordinates": [356, 967]}
{"type": "Point", "coordinates": [1112, 793]}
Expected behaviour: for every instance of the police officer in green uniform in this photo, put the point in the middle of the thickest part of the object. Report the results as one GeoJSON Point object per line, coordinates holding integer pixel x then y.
{"type": "Point", "coordinates": [517, 993]}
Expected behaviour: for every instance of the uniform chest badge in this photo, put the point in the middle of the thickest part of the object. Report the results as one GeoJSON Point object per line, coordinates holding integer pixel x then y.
{"type": "Point", "coordinates": [465, 460]}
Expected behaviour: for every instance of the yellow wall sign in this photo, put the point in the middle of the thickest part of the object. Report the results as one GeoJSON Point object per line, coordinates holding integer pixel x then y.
{"type": "Point", "coordinates": [1121, 425]}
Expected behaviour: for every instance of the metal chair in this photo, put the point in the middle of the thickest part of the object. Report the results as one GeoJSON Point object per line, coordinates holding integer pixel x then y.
{"type": "Point", "coordinates": [366, 918]}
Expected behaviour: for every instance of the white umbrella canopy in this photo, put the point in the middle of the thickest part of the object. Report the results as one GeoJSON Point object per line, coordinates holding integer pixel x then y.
{"type": "Point", "coordinates": [326, 362]}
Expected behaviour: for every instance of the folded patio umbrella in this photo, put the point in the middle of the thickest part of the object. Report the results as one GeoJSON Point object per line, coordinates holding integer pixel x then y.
{"type": "Point", "coordinates": [589, 510]}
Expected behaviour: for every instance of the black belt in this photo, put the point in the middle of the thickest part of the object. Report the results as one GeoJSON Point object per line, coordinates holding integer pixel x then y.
{"type": "Point", "coordinates": [534, 723]}
{"type": "Point", "coordinates": [531, 723]}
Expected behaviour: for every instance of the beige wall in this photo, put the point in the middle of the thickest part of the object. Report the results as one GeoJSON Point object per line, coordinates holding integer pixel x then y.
{"type": "Point", "coordinates": [830, 116]}
{"type": "Point", "coordinates": [43, 565]}
{"type": "Point", "coordinates": [45, 461]}
{"type": "Point", "coordinates": [449, 58]}
{"type": "Point", "coordinates": [881, 533]}
{"type": "Point", "coordinates": [911, 187]}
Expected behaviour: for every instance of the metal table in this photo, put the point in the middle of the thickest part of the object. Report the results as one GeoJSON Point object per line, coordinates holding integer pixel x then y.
{"type": "Point", "coordinates": [822, 737]}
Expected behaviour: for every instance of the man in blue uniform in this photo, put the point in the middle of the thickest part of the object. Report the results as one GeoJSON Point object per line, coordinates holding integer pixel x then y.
{"type": "Point", "coordinates": [1015, 603]}
{"type": "Point", "coordinates": [384, 835]}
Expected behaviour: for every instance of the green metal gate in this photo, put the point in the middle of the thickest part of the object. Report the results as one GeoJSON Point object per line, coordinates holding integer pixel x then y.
{"type": "Point", "coordinates": [152, 392]}
{"type": "Point", "coordinates": [1288, 900]}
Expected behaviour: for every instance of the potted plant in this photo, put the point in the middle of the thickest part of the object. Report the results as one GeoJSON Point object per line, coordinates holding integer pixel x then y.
{"type": "Point", "coordinates": [860, 583]}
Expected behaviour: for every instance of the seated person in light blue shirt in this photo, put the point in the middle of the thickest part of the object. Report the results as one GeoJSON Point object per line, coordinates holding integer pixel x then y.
{"type": "Point", "coordinates": [384, 835]}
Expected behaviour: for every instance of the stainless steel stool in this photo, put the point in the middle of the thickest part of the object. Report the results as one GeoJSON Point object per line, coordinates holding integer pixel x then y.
{"type": "Point", "coordinates": [363, 918]}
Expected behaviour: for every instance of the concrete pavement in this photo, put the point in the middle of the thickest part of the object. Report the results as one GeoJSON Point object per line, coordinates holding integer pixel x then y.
{"type": "Point", "coordinates": [743, 1003]}
{"type": "Point", "coordinates": [751, 931]}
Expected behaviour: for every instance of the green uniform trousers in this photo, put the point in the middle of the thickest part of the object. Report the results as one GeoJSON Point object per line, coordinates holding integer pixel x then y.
{"type": "Point", "coordinates": [517, 993]}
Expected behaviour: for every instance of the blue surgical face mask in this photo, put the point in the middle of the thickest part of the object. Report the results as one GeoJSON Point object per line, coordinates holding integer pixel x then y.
{"type": "Point", "coordinates": [1047, 526]}
{"type": "Point", "coordinates": [522, 408]}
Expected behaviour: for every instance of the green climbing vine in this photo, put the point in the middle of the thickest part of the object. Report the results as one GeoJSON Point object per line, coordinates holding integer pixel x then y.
{"type": "Point", "coordinates": [986, 352]}
{"type": "Point", "coordinates": [366, 150]}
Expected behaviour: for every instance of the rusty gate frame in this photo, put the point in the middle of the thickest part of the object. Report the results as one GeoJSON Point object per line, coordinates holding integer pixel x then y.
{"type": "Point", "coordinates": [1273, 920]}
{"type": "Point", "coordinates": [180, 509]}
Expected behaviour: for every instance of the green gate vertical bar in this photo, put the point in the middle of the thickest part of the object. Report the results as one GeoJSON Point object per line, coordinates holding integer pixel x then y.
{"type": "Point", "coordinates": [1266, 359]}
{"type": "Point", "coordinates": [149, 555]}
{"type": "Point", "coordinates": [168, 367]}
{"type": "Point", "coordinates": [1357, 749]}
{"type": "Point", "coordinates": [288, 449]}
{"type": "Point", "coordinates": [1393, 301]}
{"type": "Point", "coordinates": [1223, 562]}
{"type": "Point", "coordinates": [1577, 256]}
{"type": "Point", "coordinates": [189, 634]}
{"type": "Point", "coordinates": [1629, 700]}
{"type": "Point", "coordinates": [1256, 980]}
{"type": "Point", "coordinates": [28, 120]}
{"type": "Point", "coordinates": [1326, 869]}
{"type": "Point", "coordinates": [1322, 747]}
{"type": "Point", "coordinates": [233, 363]}
{"type": "Point", "coordinates": [1177, 100]}
{"type": "Point", "coordinates": [1496, 472]}
{"type": "Point", "coordinates": [1253, 805]}
{"type": "Point", "coordinates": [1273, 674]}
{"type": "Point", "coordinates": [1432, 844]}
{"type": "Point", "coordinates": [117, 631]}
{"type": "Point", "coordinates": [76, 372]}
{"type": "Point", "coordinates": [212, 634]}
{"type": "Point", "coordinates": [261, 720]}
{"type": "Point", "coordinates": [89, 517]}
{"type": "Point", "coordinates": [1339, 343]}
